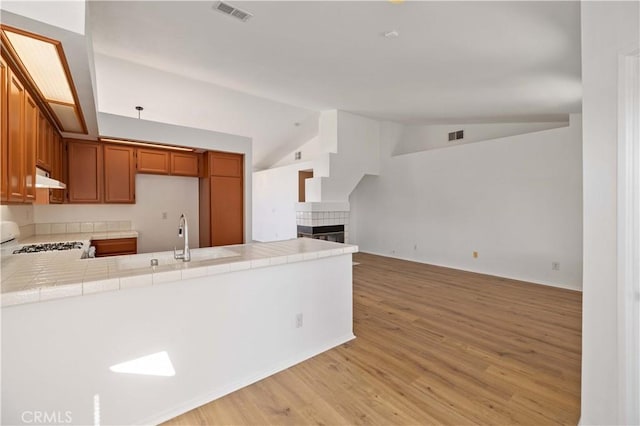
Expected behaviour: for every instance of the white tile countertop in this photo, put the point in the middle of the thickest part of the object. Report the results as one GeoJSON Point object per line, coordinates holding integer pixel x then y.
{"type": "Point", "coordinates": [38, 277]}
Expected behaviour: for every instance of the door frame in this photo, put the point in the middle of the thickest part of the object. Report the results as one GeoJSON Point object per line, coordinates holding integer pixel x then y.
{"type": "Point", "coordinates": [629, 237]}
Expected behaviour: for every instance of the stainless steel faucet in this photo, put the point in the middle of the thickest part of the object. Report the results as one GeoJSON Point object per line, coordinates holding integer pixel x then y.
{"type": "Point", "coordinates": [183, 232]}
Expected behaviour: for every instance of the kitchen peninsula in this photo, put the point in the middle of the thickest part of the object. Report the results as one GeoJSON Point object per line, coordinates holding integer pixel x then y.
{"type": "Point", "coordinates": [230, 317]}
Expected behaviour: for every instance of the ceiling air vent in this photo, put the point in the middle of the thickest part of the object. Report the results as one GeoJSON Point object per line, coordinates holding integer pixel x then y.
{"type": "Point", "coordinates": [227, 9]}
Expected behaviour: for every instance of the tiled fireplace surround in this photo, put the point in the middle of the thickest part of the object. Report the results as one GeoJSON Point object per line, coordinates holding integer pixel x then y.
{"type": "Point", "coordinates": [313, 214]}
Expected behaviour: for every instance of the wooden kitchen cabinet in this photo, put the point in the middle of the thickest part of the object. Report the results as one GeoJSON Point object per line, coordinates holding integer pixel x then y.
{"type": "Point", "coordinates": [15, 129]}
{"type": "Point", "coordinates": [155, 161]}
{"type": "Point", "coordinates": [184, 164]}
{"type": "Point", "coordinates": [56, 196]}
{"type": "Point", "coordinates": [24, 132]}
{"type": "Point", "coordinates": [119, 174]}
{"type": "Point", "coordinates": [4, 135]}
{"type": "Point", "coordinates": [164, 162]}
{"type": "Point", "coordinates": [85, 171]}
{"type": "Point", "coordinates": [226, 211]}
{"type": "Point", "coordinates": [221, 196]}
{"type": "Point", "coordinates": [30, 144]}
{"type": "Point", "coordinates": [225, 164]}
{"type": "Point", "coordinates": [45, 149]}
{"type": "Point", "coordinates": [115, 247]}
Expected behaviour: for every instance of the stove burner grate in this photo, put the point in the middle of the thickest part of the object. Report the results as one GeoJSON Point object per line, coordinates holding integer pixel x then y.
{"type": "Point", "coordinates": [37, 248]}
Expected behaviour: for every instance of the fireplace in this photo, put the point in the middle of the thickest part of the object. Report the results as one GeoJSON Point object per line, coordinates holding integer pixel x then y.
{"type": "Point", "coordinates": [333, 233]}
{"type": "Point", "coordinates": [327, 221]}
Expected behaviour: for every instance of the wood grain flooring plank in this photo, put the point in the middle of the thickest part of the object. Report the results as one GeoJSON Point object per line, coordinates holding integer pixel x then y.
{"type": "Point", "coordinates": [434, 346]}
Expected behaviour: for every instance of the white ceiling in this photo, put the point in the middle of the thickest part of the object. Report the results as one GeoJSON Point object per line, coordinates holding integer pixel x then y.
{"type": "Point", "coordinates": [452, 62]}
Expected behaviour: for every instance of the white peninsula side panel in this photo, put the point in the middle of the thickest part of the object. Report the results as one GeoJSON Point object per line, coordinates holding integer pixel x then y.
{"type": "Point", "coordinates": [220, 333]}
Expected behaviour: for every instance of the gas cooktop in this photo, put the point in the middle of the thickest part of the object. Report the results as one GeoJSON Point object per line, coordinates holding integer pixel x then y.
{"type": "Point", "coordinates": [37, 248]}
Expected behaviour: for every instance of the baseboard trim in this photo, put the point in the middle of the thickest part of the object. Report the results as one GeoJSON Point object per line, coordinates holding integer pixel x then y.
{"type": "Point", "coordinates": [239, 384]}
{"type": "Point", "coordinates": [528, 281]}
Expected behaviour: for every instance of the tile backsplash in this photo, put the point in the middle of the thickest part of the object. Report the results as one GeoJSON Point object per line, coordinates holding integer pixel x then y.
{"type": "Point", "coordinates": [76, 227]}
{"type": "Point", "coordinates": [27, 230]}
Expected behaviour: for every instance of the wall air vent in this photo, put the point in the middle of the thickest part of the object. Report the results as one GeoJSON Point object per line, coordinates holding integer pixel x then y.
{"type": "Point", "coordinates": [454, 136]}
{"type": "Point", "coordinates": [227, 9]}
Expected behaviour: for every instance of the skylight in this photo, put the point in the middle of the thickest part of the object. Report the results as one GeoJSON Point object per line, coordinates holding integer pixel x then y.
{"type": "Point", "coordinates": [43, 61]}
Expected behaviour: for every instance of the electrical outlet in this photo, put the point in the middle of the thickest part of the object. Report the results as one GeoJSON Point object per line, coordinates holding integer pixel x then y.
{"type": "Point", "coordinates": [415, 247]}
{"type": "Point", "coordinates": [475, 254]}
{"type": "Point", "coordinates": [555, 266]}
{"type": "Point", "coordinates": [299, 320]}
{"type": "Point", "coordinates": [164, 215]}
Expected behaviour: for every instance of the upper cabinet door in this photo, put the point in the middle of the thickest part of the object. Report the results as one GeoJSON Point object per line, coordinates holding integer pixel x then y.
{"type": "Point", "coordinates": [44, 153]}
{"type": "Point", "coordinates": [30, 143]}
{"type": "Point", "coordinates": [15, 127]}
{"type": "Point", "coordinates": [4, 136]}
{"type": "Point", "coordinates": [56, 196]}
{"type": "Point", "coordinates": [184, 164]}
{"type": "Point", "coordinates": [119, 174]}
{"type": "Point", "coordinates": [153, 161]}
{"type": "Point", "coordinates": [85, 172]}
{"type": "Point", "coordinates": [225, 164]}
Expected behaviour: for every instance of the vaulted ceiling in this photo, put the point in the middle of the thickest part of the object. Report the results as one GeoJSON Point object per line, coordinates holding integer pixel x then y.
{"type": "Point", "coordinates": [450, 62]}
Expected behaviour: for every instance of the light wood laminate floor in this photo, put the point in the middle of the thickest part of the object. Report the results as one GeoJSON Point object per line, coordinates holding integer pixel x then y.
{"type": "Point", "coordinates": [434, 346]}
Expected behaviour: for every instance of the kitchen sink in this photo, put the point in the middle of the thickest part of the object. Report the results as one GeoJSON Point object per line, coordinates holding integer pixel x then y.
{"type": "Point", "coordinates": [166, 258]}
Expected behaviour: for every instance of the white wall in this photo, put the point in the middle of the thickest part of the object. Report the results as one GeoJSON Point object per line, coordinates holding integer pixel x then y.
{"type": "Point", "coordinates": [609, 29]}
{"type": "Point", "coordinates": [170, 98]}
{"type": "Point", "coordinates": [417, 138]}
{"type": "Point", "coordinates": [275, 194]}
{"type": "Point", "coordinates": [358, 153]}
{"type": "Point", "coordinates": [221, 333]}
{"type": "Point", "coordinates": [517, 201]}
{"type": "Point", "coordinates": [67, 14]}
{"type": "Point", "coordinates": [154, 195]}
{"type": "Point", "coordinates": [356, 140]}
{"type": "Point", "coordinates": [126, 127]}
{"type": "Point", "coordinates": [309, 151]}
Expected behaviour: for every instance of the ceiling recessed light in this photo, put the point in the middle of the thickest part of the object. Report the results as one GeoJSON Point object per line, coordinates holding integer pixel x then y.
{"type": "Point", "coordinates": [391, 34]}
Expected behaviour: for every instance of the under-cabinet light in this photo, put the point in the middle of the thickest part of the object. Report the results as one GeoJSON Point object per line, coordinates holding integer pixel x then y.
{"type": "Point", "coordinates": [144, 144]}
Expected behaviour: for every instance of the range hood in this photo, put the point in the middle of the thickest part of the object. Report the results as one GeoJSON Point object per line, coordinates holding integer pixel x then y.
{"type": "Point", "coordinates": [44, 181]}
